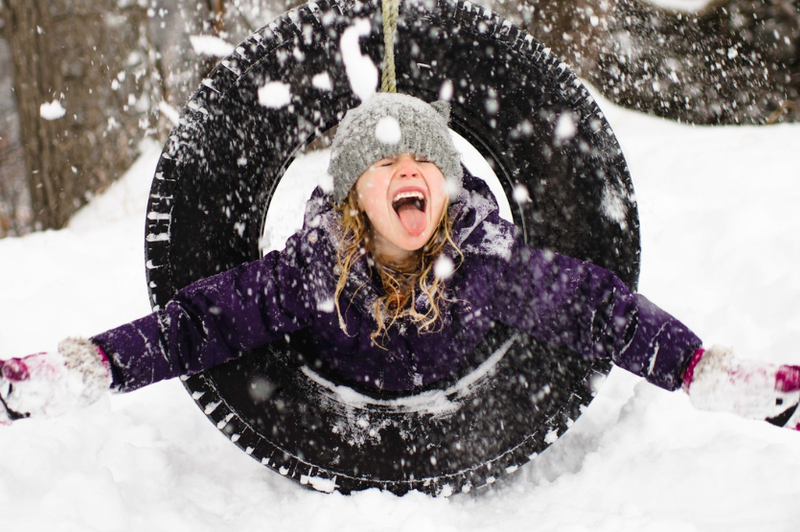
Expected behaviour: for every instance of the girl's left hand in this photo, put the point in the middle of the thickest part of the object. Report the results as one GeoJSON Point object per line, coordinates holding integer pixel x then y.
{"type": "Point", "coordinates": [717, 380]}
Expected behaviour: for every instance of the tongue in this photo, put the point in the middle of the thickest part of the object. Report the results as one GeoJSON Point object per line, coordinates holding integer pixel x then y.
{"type": "Point", "coordinates": [412, 219]}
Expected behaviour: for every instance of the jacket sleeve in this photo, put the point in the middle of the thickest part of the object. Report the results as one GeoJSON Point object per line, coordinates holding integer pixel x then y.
{"type": "Point", "coordinates": [569, 302]}
{"type": "Point", "coordinates": [210, 322]}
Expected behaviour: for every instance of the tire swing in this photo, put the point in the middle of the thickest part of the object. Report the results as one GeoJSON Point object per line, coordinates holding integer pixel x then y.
{"type": "Point", "coordinates": [544, 136]}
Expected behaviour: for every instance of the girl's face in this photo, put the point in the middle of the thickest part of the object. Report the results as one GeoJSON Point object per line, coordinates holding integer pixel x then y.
{"type": "Point", "coordinates": [404, 198]}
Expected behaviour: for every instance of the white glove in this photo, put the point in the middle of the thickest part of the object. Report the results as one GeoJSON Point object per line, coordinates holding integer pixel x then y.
{"type": "Point", "coordinates": [50, 384]}
{"type": "Point", "coordinates": [717, 380]}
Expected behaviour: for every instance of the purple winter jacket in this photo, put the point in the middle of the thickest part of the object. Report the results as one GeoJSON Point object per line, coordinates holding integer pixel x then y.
{"type": "Point", "coordinates": [556, 299]}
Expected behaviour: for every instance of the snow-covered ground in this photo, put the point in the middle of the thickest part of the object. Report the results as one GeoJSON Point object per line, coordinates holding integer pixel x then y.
{"type": "Point", "coordinates": [720, 223]}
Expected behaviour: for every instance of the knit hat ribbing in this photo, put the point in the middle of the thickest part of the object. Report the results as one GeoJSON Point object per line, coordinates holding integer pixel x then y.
{"type": "Point", "coordinates": [389, 124]}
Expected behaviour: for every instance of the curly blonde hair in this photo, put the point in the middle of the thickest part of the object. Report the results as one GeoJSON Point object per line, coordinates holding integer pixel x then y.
{"type": "Point", "coordinates": [402, 283]}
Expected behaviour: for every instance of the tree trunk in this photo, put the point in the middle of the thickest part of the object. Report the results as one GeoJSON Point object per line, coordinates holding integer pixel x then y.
{"type": "Point", "coordinates": [82, 84]}
{"type": "Point", "coordinates": [14, 203]}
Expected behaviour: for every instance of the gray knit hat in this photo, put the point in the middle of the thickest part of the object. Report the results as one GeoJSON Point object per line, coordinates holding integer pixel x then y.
{"type": "Point", "coordinates": [389, 124]}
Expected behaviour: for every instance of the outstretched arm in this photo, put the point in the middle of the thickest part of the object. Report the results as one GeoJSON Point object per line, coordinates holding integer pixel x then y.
{"type": "Point", "coordinates": [205, 324]}
{"type": "Point", "coordinates": [210, 322]}
{"type": "Point", "coordinates": [569, 302]}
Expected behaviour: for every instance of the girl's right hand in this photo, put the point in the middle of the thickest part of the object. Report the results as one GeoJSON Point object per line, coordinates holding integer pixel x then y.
{"type": "Point", "coordinates": [50, 384]}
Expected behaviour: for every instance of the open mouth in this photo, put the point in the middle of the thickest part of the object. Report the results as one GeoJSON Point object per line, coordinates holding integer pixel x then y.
{"type": "Point", "coordinates": [410, 208]}
{"type": "Point", "coordinates": [409, 200]}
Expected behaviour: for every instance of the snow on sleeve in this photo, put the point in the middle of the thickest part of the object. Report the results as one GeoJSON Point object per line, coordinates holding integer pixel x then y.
{"type": "Point", "coordinates": [210, 45]}
{"type": "Point", "coordinates": [493, 239]}
{"type": "Point", "coordinates": [361, 71]}
{"type": "Point", "coordinates": [52, 110]}
{"type": "Point", "coordinates": [497, 241]}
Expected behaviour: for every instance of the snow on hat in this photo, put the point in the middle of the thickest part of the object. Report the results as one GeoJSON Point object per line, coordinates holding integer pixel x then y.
{"type": "Point", "coordinates": [389, 124]}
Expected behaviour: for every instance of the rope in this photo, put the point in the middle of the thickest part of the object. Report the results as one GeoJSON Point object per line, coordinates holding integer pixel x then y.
{"type": "Point", "coordinates": [388, 78]}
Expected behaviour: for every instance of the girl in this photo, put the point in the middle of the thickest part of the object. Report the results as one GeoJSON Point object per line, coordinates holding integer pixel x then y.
{"type": "Point", "coordinates": [393, 280]}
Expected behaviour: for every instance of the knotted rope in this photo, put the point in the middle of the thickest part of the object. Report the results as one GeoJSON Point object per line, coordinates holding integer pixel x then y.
{"type": "Point", "coordinates": [388, 78]}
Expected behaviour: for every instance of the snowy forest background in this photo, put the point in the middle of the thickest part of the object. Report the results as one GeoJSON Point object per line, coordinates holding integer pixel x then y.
{"type": "Point", "coordinates": [121, 68]}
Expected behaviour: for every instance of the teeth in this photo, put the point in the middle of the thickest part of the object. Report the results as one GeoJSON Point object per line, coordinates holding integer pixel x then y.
{"type": "Point", "coordinates": [412, 194]}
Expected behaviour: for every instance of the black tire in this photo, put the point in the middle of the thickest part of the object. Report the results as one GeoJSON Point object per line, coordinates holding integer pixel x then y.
{"type": "Point", "coordinates": [513, 100]}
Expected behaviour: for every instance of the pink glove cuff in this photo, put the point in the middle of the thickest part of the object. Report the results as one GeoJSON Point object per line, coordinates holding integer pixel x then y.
{"type": "Point", "coordinates": [787, 379]}
{"type": "Point", "coordinates": [688, 375]}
